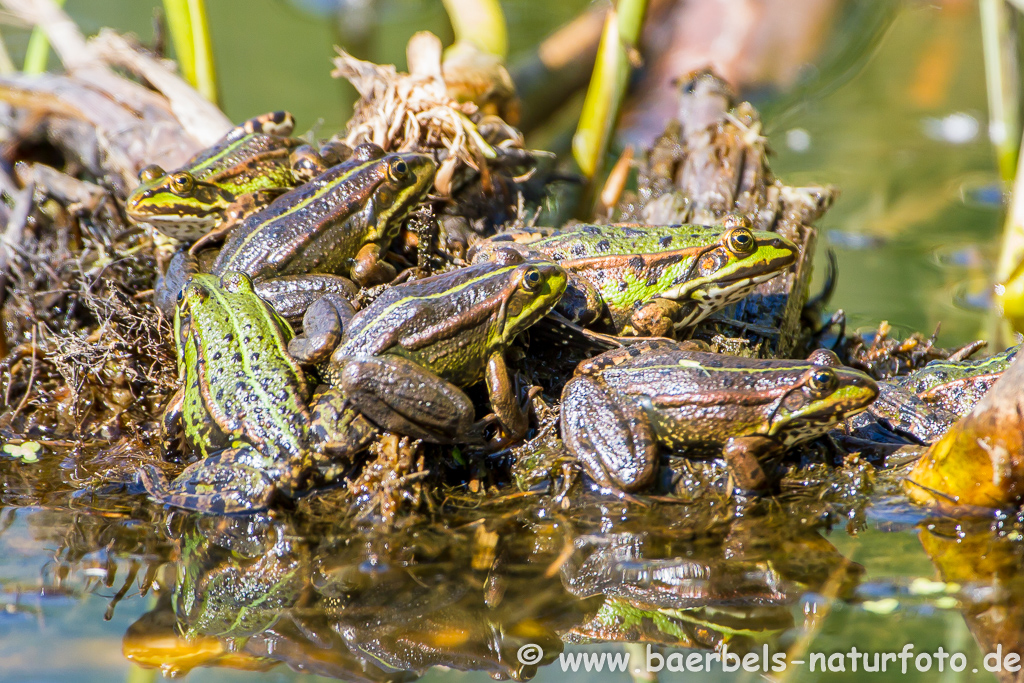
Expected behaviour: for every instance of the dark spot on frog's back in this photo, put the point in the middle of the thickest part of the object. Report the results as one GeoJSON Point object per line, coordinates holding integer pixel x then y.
{"type": "Point", "coordinates": [578, 249]}
{"type": "Point", "coordinates": [636, 263]}
{"type": "Point", "coordinates": [665, 241]}
{"type": "Point", "coordinates": [603, 245]}
{"type": "Point", "coordinates": [632, 232]}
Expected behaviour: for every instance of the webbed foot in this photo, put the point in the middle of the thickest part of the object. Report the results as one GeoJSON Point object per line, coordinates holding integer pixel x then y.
{"type": "Point", "coordinates": [220, 484]}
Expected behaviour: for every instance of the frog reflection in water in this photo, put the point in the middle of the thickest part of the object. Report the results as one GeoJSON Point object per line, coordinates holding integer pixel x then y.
{"type": "Point", "coordinates": [393, 604]}
{"type": "Point", "coordinates": [237, 575]}
{"type": "Point", "coordinates": [703, 580]}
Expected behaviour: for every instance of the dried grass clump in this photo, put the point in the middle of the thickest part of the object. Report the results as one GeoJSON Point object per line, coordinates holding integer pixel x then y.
{"type": "Point", "coordinates": [418, 111]}
{"type": "Point", "coordinates": [88, 359]}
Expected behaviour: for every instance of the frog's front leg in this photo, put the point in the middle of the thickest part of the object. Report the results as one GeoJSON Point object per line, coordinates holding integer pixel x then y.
{"type": "Point", "coordinates": [338, 430]}
{"type": "Point", "coordinates": [581, 303]}
{"type": "Point", "coordinates": [224, 483]}
{"type": "Point", "coordinates": [612, 439]}
{"type": "Point", "coordinates": [165, 294]}
{"type": "Point", "coordinates": [401, 396]}
{"type": "Point", "coordinates": [322, 327]}
{"type": "Point", "coordinates": [501, 390]}
{"type": "Point", "coordinates": [655, 318]}
{"type": "Point", "coordinates": [751, 461]}
{"type": "Point", "coordinates": [369, 269]}
{"type": "Point", "coordinates": [234, 213]}
{"type": "Point", "coordinates": [292, 295]}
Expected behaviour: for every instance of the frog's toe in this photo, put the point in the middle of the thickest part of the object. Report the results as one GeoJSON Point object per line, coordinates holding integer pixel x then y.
{"type": "Point", "coordinates": [615, 446]}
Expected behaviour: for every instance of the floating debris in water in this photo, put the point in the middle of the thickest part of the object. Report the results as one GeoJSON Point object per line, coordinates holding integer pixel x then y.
{"type": "Point", "coordinates": [883, 606]}
{"type": "Point", "coordinates": [27, 451]}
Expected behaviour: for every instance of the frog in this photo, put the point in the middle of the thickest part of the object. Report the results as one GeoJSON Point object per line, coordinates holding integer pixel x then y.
{"type": "Point", "coordinates": [653, 281]}
{"type": "Point", "coordinates": [622, 407]}
{"type": "Point", "coordinates": [245, 408]}
{"type": "Point", "coordinates": [322, 236]}
{"type": "Point", "coordinates": [237, 576]}
{"type": "Point", "coordinates": [928, 401]}
{"type": "Point", "coordinates": [958, 385]}
{"type": "Point", "coordinates": [255, 162]}
{"type": "Point", "coordinates": [404, 360]}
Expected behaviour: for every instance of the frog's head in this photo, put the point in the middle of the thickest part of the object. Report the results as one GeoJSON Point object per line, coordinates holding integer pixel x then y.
{"type": "Point", "coordinates": [392, 184]}
{"type": "Point", "coordinates": [175, 199]}
{"type": "Point", "coordinates": [730, 267]}
{"type": "Point", "coordinates": [191, 298]}
{"type": "Point", "coordinates": [820, 396]}
{"type": "Point", "coordinates": [532, 288]}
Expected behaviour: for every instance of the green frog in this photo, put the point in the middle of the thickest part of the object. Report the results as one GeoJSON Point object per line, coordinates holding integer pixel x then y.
{"type": "Point", "coordinates": [244, 171]}
{"type": "Point", "coordinates": [638, 280]}
{"type": "Point", "coordinates": [404, 359]}
{"type": "Point", "coordinates": [622, 406]}
{"type": "Point", "coordinates": [311, 240]}
{"type": "Point", "coordinates": [245, 406]}
{"type": "Point", "coordinates": [928, 401]}
{"type": "Point", "coordinates": [958, 385]}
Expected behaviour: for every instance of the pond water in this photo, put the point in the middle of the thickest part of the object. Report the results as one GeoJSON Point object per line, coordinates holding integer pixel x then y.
{"type": "Point", "coordinates": [899, 124]}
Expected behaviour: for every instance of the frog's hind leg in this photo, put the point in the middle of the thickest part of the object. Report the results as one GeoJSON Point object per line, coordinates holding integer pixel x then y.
{"type": "Point", "coordinates": [401, 396]}
{"type": "Point", "coordinates": [222, 483]}
{"type": "Point", "coordinates": [612, 440]}
{"type": "Point", "coordinates": [323, 325]}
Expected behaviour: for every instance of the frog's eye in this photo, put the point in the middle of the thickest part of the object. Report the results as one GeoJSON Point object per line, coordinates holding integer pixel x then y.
{"type": "Point", "coordinates": [531, 280]}
{"type": "Point", "coordinates": [740, 241]}
{"type": "Point", "coordinates": [150, 173]}
{"type": "Point", "coordinates": [182, 183]}
{"type": "Point", "coordinates": [398, 169]}
{"type": "Point", "coordinates": [822, 381]}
